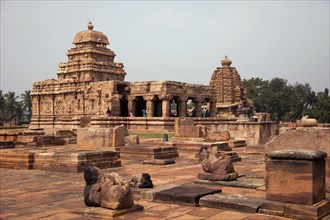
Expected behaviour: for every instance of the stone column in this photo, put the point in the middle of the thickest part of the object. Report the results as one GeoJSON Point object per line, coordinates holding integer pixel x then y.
{"type": "Point", "coordinates": [150, 105]}
{"type": "Point", "coordinates": [182, 105]}
{"type": "Point", "coordinates": [213, 109]}
{"type": "Point", "coordinates": [295, 184]}
{"type": "Point", "coordinates": [166, 107]}
{"type": "Point", "coordinates": [198, 108]}
{"type": "Point", "coordinates": [131, 104]}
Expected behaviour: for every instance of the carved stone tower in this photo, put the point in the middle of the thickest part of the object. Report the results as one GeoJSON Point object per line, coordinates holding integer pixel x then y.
{"type": "Point", "coordinates": [91, 60]}
{"type": "Point", "coordinates": [228, 87]}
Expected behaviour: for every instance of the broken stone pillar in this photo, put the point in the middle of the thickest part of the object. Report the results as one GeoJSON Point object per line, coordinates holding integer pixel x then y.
{"type": "Point", "coordinates": [295, 184]}
{"type": "Point", "coordinates": [296, 176]}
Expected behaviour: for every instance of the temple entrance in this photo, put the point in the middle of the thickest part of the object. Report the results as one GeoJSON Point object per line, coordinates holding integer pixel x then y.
{"type": "Point", "coordinates": [191, 108]}
{"type": "Point", "coordinates": [123, 107]}
{"type": "Point", "coordinates": [174, 107]}
{"type": "Point", "coordinates": [157, 107]}
{"type": "Point", "coordinates": [140, 104]}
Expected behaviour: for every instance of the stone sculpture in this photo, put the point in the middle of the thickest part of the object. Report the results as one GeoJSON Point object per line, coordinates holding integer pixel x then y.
{"type": "Point", "coordinates": [308, 122]}
{"type": "Point", "coordinates": [141, 181]}
{"type": "Point", "coordinates": [106, 190]}
{"type": "Point", "coordinates": [216, 169]}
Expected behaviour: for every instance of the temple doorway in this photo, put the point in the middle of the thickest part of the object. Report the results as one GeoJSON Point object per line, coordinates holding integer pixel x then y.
{"type": "Point", "coordinates": [124, 107]}
{"type": "Point", "coordinates": [158, 107]}
{"type": "Point", "coordinates": [140, 104]}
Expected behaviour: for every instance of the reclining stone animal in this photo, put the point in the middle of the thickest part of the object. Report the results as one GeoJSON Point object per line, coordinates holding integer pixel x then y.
{"type": "Point", "coordinates": [106, 190]}
{"type": "Point", "coordinates": [308, 122]}
{"type": "Point", "coordinates": [216, 169]}
{"type": "Point", "coordinates": [141, 181]}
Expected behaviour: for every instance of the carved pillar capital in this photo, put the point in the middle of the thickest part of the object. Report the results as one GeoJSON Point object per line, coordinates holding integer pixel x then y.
{"type": "Point", "coordinates": [148, 97]}
{"type": "Point", "coordinates": [183, 98]}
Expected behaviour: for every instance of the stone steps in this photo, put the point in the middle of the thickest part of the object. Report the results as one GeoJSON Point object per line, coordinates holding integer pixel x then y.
{"type": "Point", "coordinates": [145, 152]}
{"type": "Point", "coordinates": [7, 144]}
{"type": "Point", "coordinates": [237, 143]}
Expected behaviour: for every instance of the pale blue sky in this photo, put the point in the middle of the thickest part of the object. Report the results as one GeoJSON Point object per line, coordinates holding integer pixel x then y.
{"type": "Point", "coordinates": [170, 40]}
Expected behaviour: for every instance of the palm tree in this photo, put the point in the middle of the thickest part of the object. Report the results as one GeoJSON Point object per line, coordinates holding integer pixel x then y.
{"type": "Point", "coordinates": [12, 106]}
{"type": "Point", "coordinates": [2, 107]}
{"type": "Point", "coordinates": [27, 103]}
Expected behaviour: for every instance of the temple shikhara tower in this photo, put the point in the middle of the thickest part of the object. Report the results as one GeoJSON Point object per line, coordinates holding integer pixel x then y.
{"type": "Point", "coordinates": [91, 81]}
{"type": "Point", "coordinates": [228, 87]}
{"type": "Point", "coordinates": [90, 60]}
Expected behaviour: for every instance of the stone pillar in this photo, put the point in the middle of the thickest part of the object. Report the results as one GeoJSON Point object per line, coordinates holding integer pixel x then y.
{"type": "Point", "coordinates": [182, 106]}
{"type": "Point", "coordinates": [131, 104]}
{"type": "Point", "coordinates": [213, 109]}
{"type": "Point", "coordinates": [295, 184]}
{"type": "Point", "coordinates": [149, 105]}
{"type": "Point", "coordinates": [198, 108]}
{"type": "Point", "coordinates": [296, 176]}
{"type": "Point", "coordinates": [166, 108]}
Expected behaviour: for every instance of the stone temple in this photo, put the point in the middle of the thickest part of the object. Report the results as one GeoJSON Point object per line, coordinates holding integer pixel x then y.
{"type": "Point", "coordinates": [91, 81]}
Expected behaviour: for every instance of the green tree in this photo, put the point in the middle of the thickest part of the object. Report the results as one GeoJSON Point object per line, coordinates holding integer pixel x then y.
{"type": "Point", "coordinates": [12, 106]}
{"type": "Point", "coordinates": [26, 103]}
{"type": "Point", "coordinates": [254, 88]}
{"type": "Point", "coordinates": [321, 107]}
{"type": "Point", "coordinates": [284, 102]}
{"type": "Point", "coordinates": [2, 108]}
{"type": "Point", "coordinates": [301, 98]}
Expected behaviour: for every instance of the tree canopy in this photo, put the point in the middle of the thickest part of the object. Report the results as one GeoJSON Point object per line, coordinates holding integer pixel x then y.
{"type": "Point", "coordinates": [288, 102]}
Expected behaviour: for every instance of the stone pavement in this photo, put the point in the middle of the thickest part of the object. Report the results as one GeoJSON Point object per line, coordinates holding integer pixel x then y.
{"type": "Point", "coordinates": [36, 194]}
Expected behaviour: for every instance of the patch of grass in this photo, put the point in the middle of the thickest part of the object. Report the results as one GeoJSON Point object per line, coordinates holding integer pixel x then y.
{"type": "Point", "coordinates": [144, 135]}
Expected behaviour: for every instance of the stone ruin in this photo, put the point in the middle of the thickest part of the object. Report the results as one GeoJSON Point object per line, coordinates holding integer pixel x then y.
{"type": "Point", "coordinates": [216, 169]}
{"type": "Point", "coordinates": [91, 81]}
{"type": "Point", "coordinates": [106, 190]}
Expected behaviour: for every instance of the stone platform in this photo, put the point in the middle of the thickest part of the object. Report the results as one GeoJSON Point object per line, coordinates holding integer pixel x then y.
{"type": "Point", "coordinates": [57, 159]}
{"type": "Point", "coordinates": [147, 152]}
{"type": "Point", "coordinates": [103, 213]}
{"type": "Point", "coordinates": [38, 194]}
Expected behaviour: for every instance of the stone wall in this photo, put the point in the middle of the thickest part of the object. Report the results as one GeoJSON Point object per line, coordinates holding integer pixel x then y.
{"type": "Point", "coordinates": [100, 138]}
{"type": "Point", "coordinates": [255, 133]}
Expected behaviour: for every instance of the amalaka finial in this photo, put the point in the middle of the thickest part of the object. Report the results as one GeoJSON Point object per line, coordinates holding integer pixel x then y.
{"type": "Point", "coordinates": [90, 25]}
{"type": "Point", "coordinates": [226, 62]}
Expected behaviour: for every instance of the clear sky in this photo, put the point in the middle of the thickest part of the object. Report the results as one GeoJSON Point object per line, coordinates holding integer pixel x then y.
{"type": "Point", "coordinates": [170, 40]}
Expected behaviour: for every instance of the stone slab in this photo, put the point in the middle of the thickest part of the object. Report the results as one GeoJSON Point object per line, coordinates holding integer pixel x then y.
{"type": "Point", "coordinates": [272, 208]}
{"type": "Point", "coordinates": [149, 194]}
{"type": "Point", "coordinates": [189, 131]}
{"type": "Point", "coordinates": [302, 211]}
{"type": "Point", "coordinates": [298, 154]}
{"type": "Point", "coordinates": [98, 212]}
{"type": "Point", "coordinates": [159, 162]}
{"type": "Point", "coordinates": [145, 152]}
{"type": "Point", "coordinates": [232, 201]}
{"type": "Point", "coordinates": [320, 210]}
{"type": "Point", "coordinates": [242, 182]}
{"type": "Point", "coordinates": [185, 194]}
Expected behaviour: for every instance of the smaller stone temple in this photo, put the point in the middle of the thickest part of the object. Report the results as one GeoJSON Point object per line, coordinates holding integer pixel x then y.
{"type": "Point", "coordinates": [229, 90]}
{"type": "Point", "coordinates": [91, 82]}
